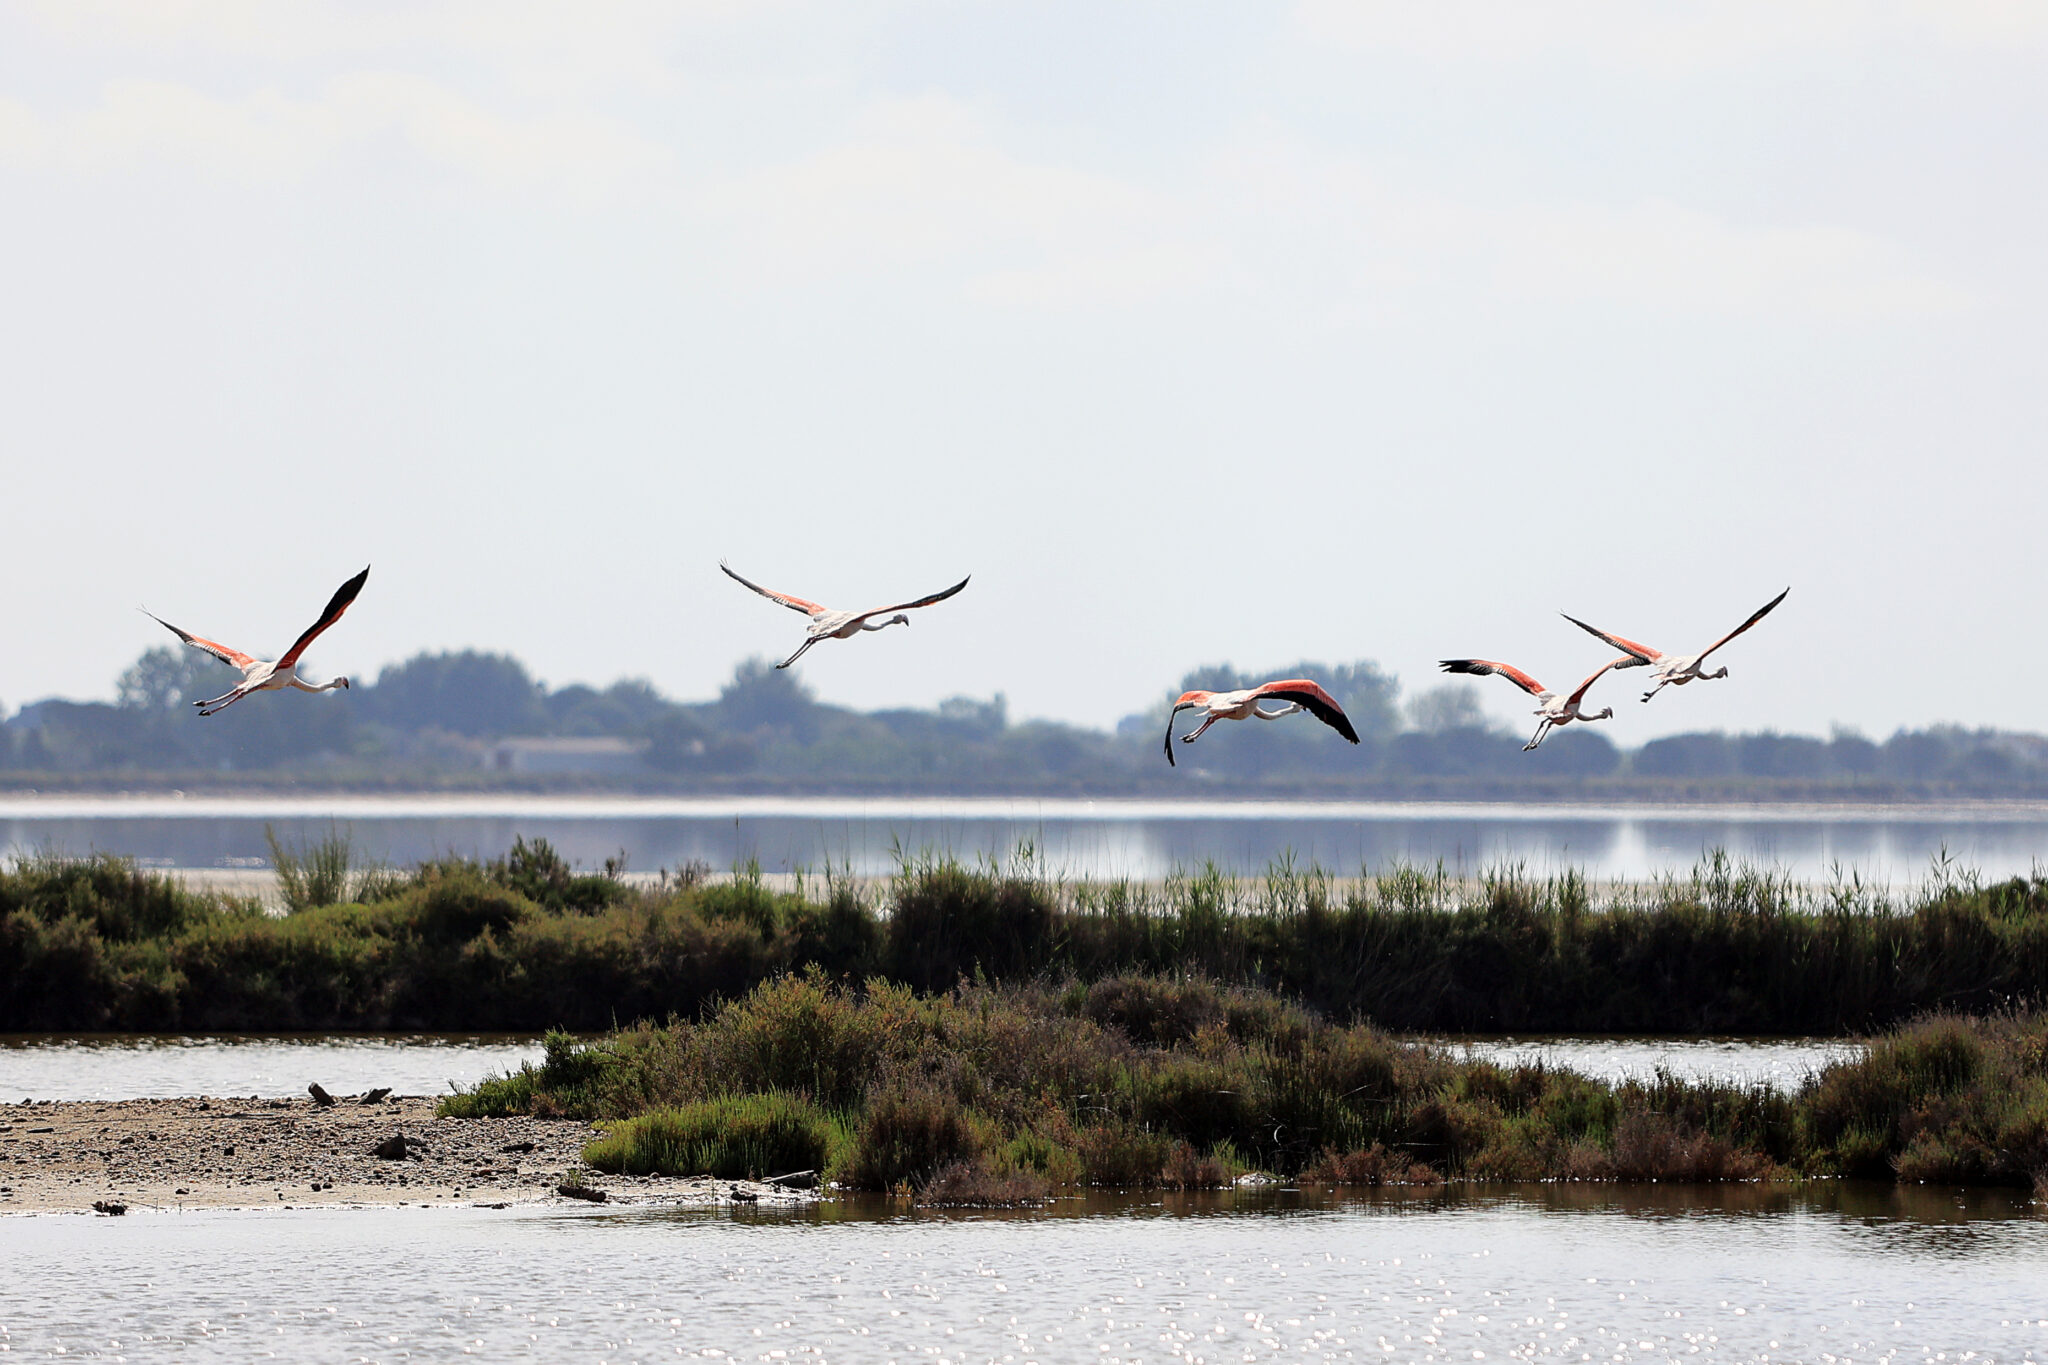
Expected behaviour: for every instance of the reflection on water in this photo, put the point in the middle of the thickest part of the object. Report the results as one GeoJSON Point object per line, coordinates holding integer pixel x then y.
{"type": "Point", "coordinates": [150, 1066]}
{"type": "Point", "coordinates": [1551, 1273]}
{"type": "Point", "coordinates": [1085, 839]}
{"type": "Point", "coordinates": [145, 1066]}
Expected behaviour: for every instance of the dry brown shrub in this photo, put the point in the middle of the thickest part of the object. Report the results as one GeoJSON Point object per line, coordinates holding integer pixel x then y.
{"type": "Point", "coordinates": [1187, 1169]}
{"type": "Point", "coordinates": [1651, 1147]}
{"type": "Point", "coordinates": [1373, 1165]}
{"type": "Point", "coordinates": [1585, 1161]}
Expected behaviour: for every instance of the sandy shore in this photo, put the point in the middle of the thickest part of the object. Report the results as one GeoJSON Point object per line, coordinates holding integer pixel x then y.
{"type": "Point", "coordinates": [65, 1156]}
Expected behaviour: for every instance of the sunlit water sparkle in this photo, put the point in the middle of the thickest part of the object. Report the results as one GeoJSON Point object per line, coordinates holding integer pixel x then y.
{"type": "Point", "coordinates": [1568, 1275]}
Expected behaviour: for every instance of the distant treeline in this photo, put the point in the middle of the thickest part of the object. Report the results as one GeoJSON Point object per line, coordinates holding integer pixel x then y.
{"type": "Point", "coordinates": [481, 719]}
{"type": "Point", "coordinates": [525, 942]}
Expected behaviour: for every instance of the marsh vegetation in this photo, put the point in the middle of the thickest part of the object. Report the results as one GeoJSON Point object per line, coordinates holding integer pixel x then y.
{"type": "Point", "coordinates": [527, 942]}
{"type": "Point", "coordinates": [987, 1093]}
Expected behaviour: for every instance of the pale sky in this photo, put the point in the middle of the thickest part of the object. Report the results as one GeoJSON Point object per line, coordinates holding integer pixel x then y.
{"type": "Point", "coordinates": [1194, 332]}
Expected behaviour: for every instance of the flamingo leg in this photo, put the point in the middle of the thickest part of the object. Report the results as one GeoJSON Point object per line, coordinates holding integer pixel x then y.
{"type": "Point", "coordinates": [215, 701]}
{"type": "Point", "coordinates": [1542, 729]}
{"type": "Point", "coordinates": [1289, 709]}
{"type": "Point", "coordinates": [800, 651]}
{"type": "Point", "coordinates": [1662, 683]}
{"type": "Point", "coordinates": [223, 702]}
{"type": "Point", "coordinates": [1191, 736]}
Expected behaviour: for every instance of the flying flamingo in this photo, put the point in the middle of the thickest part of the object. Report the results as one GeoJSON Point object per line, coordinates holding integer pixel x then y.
{"type": "Point", "coordinates": [1674, 670]}
{"type": "Point", "coordinates": [827, 624]}
{"type": "Point", "coordinates": [1299, 693]}
{"type": "Point", "coordinates": [258, 676]}
{"type": "Point", "coordinates": [1554, 710]}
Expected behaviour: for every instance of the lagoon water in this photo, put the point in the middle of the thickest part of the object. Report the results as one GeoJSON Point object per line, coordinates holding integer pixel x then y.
{"type": "Point", "coordinates": [44, 1066]}
{"type": "Point", "coordinates": [1567, 1273]}
{"type": "Point", "coordinates": [149, 1066]}
{"type": "Point", "coordinates": [1072, 838]}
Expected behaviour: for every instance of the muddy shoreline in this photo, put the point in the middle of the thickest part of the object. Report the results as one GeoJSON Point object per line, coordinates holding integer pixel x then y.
{"type": "Point", "coordinates": [66, 1156]}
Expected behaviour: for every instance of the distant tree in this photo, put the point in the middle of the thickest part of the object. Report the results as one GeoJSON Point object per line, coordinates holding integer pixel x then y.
{"type": "Point", "coordinates": [1849, 752]}
{"type": "Point", "coordinates": [675, 742]}
{"type": "Point", "coordinates": [1467, 752]}
{"type": "Point", "coordinates": [169, 677]}
{"type": "Point", "coordinates": [1916, 755]}
{"type": "Point", "coordinates": [972, 717]}
{"type": "Point", "coordinates": [1696, 755]}
{"type": "Point", "coordinates": [761, 696]}
{"type": "Point", "coordinates": [1575, 752]}
{"type": "Point", "coordinates": [469, 693]}
{"type": "Point", "coordinates": [1051, 749]}
{"type": "Point", "coordinates": [32, 752]}
{"type": "Point", "coordinates": [1986, 765]}
{"type": "Point", "coordinates": [1774, 755]}
{"type": "Point", "coordinates": [627, 707]}
{"type": "Point", "coordinates": [1453, 706]}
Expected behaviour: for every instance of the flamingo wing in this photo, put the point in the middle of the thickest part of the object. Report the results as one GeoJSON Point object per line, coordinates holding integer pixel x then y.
{"type": "Point", "coordinates": [234, 658]}
{"type": "Point", "coordinates": [922, 601]}
{"type": "Point", "coordinates": [1310, 697]}
{"type": "Point", "coordinates": [1760, 613]}
{"type": "Point", "coordinates": [1480, 668]}
{"type": "Point", "coordinates": [1624, 661]}
{"type": "Point", "coordinates": [336, 605]}
{"type": "Point", "coordinates": [1638, 654]}
{"type": "Point", "coordinates": [793, 603]}
{"type": "Point", "coordinates": [1186, 701]}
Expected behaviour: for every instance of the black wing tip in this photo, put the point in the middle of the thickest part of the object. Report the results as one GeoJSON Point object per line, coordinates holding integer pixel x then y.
{"type": "Point", "coordinates": [1174, 711]}
{"type": "Point", "coordinates": [1456, 665]}
{"type": "Point", "coordinates": [346, 593]}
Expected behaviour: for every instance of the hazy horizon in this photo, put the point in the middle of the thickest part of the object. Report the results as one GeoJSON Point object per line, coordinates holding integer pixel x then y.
{"type": "Point", "coordinates": [1193, 334]}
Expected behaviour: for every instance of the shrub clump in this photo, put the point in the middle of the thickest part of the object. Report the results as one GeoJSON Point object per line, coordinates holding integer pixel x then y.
{"type": "Point", "coordinates": [731, 1137]}
{"type": "Point", "coordinates": [992, 1094]}
{"type": "Point", "coordinates": [1945, 1099]}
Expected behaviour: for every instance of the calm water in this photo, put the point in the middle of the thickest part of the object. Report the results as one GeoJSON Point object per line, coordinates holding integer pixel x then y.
{"type": "Point", "coordinates": [1083, 839]}
{"type": "Point", "coordinates": [115, 1066]}
{"type": "Point", "coordinates": [1550, 1273]}
{"type": "Point", "coordinates": [145, 1066]}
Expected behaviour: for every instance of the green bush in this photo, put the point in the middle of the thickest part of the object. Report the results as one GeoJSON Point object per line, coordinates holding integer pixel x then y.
{"type": "Point", "coordinates": [908, 1135]}
{"type": "Point", "coordinates": [734, 1136]}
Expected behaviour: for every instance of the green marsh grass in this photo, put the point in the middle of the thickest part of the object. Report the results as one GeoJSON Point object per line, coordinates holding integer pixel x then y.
{"type": "Point", "coordinates": [529, 942]}
{"type": "Point", "coordinates": [750, 1137]}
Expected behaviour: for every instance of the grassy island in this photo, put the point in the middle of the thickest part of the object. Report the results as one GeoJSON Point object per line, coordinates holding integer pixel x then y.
{"type": "Point", "coordinates": [996, 1093]}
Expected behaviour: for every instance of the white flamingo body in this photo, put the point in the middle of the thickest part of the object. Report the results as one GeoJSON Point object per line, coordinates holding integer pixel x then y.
{"type": "Point", "coordinates": [828, 624]}
{"type": "Point", "coordinates": [1294, 694]}
{"type": "Point", "coordinates": [263, 675]}
{"type": "Point", "coordinates": [1674, 670]}
{"type": "Point", "coordinates": [1553, 709]}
